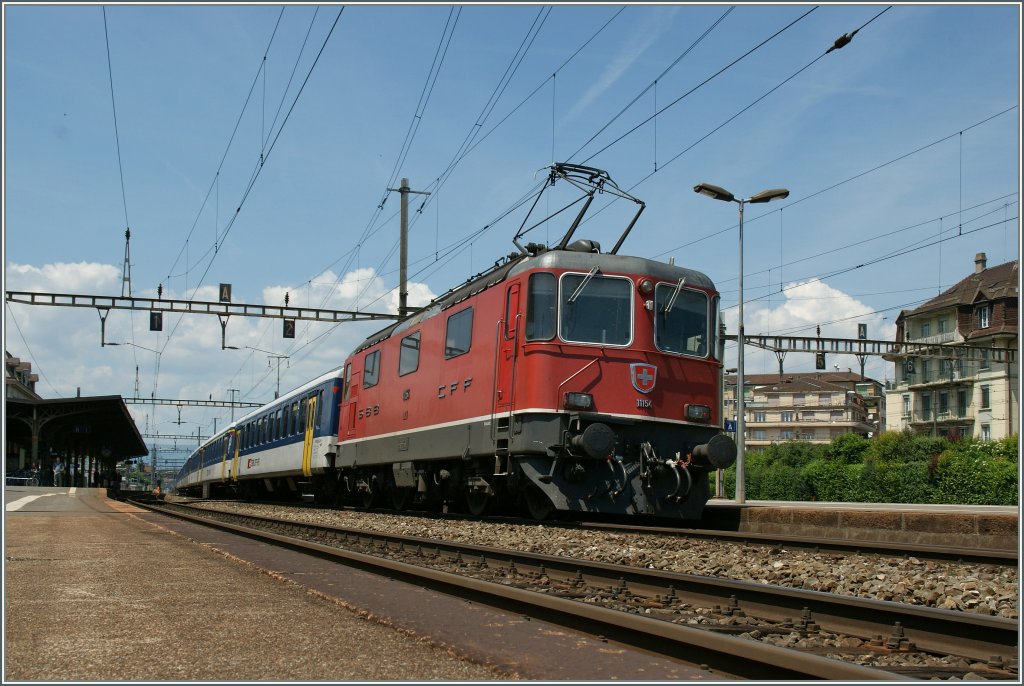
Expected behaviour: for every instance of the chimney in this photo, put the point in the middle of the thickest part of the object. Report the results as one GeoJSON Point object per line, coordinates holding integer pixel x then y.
{"type": "Point", "coordinates": [979, 263]}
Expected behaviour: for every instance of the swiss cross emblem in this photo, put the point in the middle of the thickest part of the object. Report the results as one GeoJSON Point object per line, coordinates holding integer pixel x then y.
{"type": "Point", "coordinates": [643, 376]}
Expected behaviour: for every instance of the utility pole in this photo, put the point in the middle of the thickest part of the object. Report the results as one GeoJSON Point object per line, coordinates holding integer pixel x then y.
{"type": "Point", "coordinates": [403, 267]}
{"type": "Point", "coordinates": [233, 391]}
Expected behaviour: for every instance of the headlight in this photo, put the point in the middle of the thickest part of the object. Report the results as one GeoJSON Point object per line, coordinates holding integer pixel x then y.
{"type": "Point", "coordinates": [578, 401]}
{"type": "Point", "coordinates": [698, 413]}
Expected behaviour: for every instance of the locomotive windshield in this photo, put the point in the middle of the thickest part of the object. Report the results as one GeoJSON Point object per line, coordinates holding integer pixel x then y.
{"type": "Point", "coordinates": [596, 309]}
{"type": "Point", "coordinates": [683, 327]}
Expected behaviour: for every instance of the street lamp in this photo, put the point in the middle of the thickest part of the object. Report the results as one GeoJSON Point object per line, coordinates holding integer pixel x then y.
{"type": "Point", "coordinates": [719, 193]}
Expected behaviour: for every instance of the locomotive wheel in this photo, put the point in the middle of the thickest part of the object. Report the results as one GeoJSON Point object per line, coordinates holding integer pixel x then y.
{"type": "Point", "coordinates": [538, 504]}
{"type": "Point", "coordinates": [477, 502]}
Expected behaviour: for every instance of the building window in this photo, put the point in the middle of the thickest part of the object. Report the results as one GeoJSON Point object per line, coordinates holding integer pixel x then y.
{"type": "Point", "coordinates": [906, 406]}
{"type": "Point", "coordinates": [808, 417]}
{"type": "Point", "coordinates": [943, 402]}
{"type": "Point", "coordinates": [986, 432]}
{"type": "Point", "coordinates": [759, 416]}
{"type": "Point", "coordinates": [984, 359]}
{"type": "Point", "coordinates": [824, 398]}
{"type": "Point", "coordinates": [409, 355]}
{"type": "Point", "coordinates": [926, 329]}
{"type": "Point", "coordinates": [924, 370]}
{"type": "Point", "coordinates": [984, 316]}
{"type": "Point", "coordinates": [787, 416]}
{"type": "Point", "coordinates": [942, 325]}
{"type": "Point", "coordinates": [961, 403]}
{"type": "Point", "coordinates": [759, 435]}
{"type": "Point", "coordinates": [798, 399]}
{"type": "Point", "coordinates": [926, 405]}
{"type": "Point", "coordinates": [985, 398]}
{"type": "Point", "coordinates": [786, 435]}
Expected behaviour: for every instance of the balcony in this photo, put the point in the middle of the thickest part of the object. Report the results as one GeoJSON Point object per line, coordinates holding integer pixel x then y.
{"type": "Point", "coordinates": [939, 338]}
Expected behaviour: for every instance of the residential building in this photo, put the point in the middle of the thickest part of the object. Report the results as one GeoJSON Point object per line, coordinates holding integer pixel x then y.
{"type": "Point", "coordinates": [969, 393]}
{"type": "Point", "coordinates": [806, 406]}
{"type": "Point", "coordinates": [19, 381]}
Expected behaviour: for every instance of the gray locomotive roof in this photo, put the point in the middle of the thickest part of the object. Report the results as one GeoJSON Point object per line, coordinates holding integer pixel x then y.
{"type": "Point", "coordinates": [585, 261]}
{"type": "Point", "coordinates": [571, 259]}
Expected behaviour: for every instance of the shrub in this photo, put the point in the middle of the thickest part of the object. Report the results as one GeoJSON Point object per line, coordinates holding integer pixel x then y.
{"type": "Point", "coordinates": [973, 472]}
{"type": "Point", "coordinates": [848, 448]}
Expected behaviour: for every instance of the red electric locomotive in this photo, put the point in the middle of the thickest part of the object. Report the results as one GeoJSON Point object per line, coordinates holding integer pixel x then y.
{"type": "Point", "coordinates": [563, 379]}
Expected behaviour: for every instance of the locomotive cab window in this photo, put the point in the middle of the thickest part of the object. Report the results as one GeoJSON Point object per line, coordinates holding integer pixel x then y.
{"type": "Point", "coordinates": [680, 320]}
{"type": "Point", "coordinates": [371, 369]}
{"type": "Point", "coordinates": [459, 334]}
{"type": "Point", "coordinates": [409, 355]}
{"type": "Point", "coordinates": [540, 307]}
{"type": "Point", "coordinates": [596, 309]}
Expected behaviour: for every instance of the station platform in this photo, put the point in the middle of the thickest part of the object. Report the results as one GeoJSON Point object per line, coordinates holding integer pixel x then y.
{"type": "Point", "coordinates": [101, 590]}
{"type": "Point", "coordinates": [981, 526]}
{"type": "Point", "coordinates": [97, 591]}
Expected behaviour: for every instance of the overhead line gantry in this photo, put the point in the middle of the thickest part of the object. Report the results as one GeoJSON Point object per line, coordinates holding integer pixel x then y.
{"type": "Point", "coordinates": [223, 309]}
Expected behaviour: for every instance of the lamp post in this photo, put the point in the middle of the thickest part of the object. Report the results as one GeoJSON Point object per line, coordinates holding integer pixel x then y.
{"type": "Point", "coordinates": [719, 193]}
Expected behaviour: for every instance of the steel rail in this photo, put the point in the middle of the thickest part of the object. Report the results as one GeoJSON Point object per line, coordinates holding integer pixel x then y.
{"type": "Point", "coordinates": [724, 654]}
{"type": "Point", "coordinates": [970, 635]}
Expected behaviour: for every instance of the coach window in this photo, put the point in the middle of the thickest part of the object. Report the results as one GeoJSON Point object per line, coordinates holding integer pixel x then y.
{"type": "Point", "coordinates": [681, 320]}
{"type": "Point", "coordinates": [409, 355]}
{"type": "Point", "coordinates": [459, 334]}
{"type": "Point", "coordinates": [287, 420]}
{"type": "Point", "coordinates": [371, 369]}
{"type": "Point", "coordinates": [297, 426]}
{"type": "Point", "coordinates": [596, 309]}
{"type": "Point", "coordinates": [540, 307]}
{"type": "Point", "coordinates": [278, 424]}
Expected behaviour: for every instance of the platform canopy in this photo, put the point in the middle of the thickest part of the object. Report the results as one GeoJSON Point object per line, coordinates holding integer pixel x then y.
{"type": "Point", "coordinates": [98, 426]}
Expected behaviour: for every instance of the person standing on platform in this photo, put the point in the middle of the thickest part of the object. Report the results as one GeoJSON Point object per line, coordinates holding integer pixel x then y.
{"type": "Point", "coordinates": [58, 473]}
{"type": "Point", "coordinates": [72, 473]}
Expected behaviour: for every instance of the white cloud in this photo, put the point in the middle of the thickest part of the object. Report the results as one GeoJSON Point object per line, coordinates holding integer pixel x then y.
{"type": "Point", "coordinates": [806, 306]}
{"type": "Point", "coordinates": [633, 48]}
{"type": "Point", "coordinates": [63, 344]}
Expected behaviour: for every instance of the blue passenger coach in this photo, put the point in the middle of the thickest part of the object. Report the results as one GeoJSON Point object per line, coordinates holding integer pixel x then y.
{"type": "Point", "coordinates": [274, 449]}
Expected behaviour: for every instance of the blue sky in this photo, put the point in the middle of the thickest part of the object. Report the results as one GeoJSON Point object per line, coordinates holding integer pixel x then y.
{"type": "Point", "coordinates": [909, 134]}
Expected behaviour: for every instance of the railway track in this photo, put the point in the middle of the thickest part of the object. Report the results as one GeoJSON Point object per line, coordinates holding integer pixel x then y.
{"type": "Point", "coordinates": [734, 627]}
{"type": "Point", "coordinates": [921, 551]}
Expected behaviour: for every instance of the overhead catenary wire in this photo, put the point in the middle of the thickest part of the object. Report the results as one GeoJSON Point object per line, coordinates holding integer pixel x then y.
{"type": "Point", "coordinates": [262, 162]}
{"type": "Point", "coordinates": [227, 148]}
{"type": "Point", "coordinates": [434, 187]}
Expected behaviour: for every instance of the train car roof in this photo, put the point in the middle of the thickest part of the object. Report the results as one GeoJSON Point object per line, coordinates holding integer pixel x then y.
{"type": "Point", "coordinates": [294, 393]}
{"type": "Point", "coordinates": [582, 255]}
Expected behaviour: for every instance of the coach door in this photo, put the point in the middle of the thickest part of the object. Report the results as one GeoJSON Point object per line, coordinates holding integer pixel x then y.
{"type": "Point", "coordinates": [508, 334]}
{"type": "Point", "coordinates": [307, 443]}
{"type": "Point", "coordinates": [349, 400]}
{"type": "Point", "coordinates": [229, 444]}
{"type": "Point", "coordinates": [236, 444]}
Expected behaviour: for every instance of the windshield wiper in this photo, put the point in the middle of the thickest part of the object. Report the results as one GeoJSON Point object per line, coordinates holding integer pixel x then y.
{"type": "Point", "coordinates": [583, 284]}
{"type": "Point", "coordinates": [675, 295]}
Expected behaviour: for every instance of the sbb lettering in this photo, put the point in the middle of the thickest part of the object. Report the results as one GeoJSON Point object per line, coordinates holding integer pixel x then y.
{"type": "Point", "coordinates": [366, 413]}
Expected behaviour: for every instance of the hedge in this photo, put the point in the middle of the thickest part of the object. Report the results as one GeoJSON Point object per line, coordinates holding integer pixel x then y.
{"type": "Point", "coordinates": [895, 467]}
